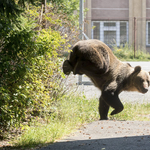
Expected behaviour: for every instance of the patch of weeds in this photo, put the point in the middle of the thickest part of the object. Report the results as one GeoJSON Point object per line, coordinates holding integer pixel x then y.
{"type": "Point", "coordinates": [70, 113]}
{"type": "Point", "coordinates": [126, 53]}
{"type": "Point", "coordinates": [134, 111]}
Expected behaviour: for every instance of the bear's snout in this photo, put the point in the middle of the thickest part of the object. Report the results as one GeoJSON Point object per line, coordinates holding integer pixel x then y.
{"type": "Point", "coordinates": [145, 87]}
{"type": "Point", "coordinates": [145, 90]}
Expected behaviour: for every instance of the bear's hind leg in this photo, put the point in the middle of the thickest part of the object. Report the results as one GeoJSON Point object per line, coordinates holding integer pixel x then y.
{"type": "Point", "coordinates": [113, 100]}
{"type": "Point", "coordinates": [103, 109]}
{"type": "Point", "coordinates": [118, 106]}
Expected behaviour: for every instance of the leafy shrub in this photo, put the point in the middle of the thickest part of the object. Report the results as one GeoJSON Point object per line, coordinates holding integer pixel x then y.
{"type": "Point", "coordinates": [31, 76]}
{"type": "Point", "coordinates": [16, 53]}
{"type": "Point", "coordinates": [45, 75]}
{"type": "Point", "coordinates": [31, 73]}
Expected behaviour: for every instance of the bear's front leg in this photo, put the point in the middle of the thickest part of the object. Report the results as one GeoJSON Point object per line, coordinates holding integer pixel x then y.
{"type": "Point", "coordinates": [103, 109]}
{"type": "Point", "coordinates": [107, 99]}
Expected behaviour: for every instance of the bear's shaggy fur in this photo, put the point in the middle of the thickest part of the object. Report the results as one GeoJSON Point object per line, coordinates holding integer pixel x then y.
{"type": "Point", "coordinates": [109, 74]}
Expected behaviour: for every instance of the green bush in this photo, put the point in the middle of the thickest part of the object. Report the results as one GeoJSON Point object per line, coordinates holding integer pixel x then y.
{"type": "Point", "coordinates": [30, 67]}
{"type": "Point", "coordinates": [30, 73]}
{"type": "Point", "coordinates": [16, 54]}
{"type": "Point", "coordinates": [45, 74]}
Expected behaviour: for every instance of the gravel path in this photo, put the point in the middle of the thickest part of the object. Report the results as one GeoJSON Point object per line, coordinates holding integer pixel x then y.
{"type": "Point", "coordinates": [107, 135]}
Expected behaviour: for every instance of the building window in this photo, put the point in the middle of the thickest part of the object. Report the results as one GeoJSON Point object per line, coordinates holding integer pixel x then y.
{"type": "Point", "coordinates": [96, 31]}
{"type": "Point", "coordinates": [148, 33]}
{"type": "Point", "coordinates": [110, 32]}
{"type": "Point", "coordinates": [109, 37]}
{"type": "Point", "coordinates": [109, 24]}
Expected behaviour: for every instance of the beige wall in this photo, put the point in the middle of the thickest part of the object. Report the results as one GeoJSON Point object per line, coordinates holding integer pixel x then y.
{"type": "Point", "coordinates": [137, 9]}
{"type": "Point", "coordinates": [88, 18]}
{"type": "Point", "coordinates": [148, 9]}
{"type": "Point", "coordinates": [109, 15]}
{"type": "Point", "coordinates": [110, 10]}
{"type": "Point", "coordinates": [110, 3]}
{"type": "Point", "coordinates": [148, 3]}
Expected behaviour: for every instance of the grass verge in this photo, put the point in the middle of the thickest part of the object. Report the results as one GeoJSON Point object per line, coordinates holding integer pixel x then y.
{"type": "Point", "coordinates": [126, 53]}
{"type": "Point", "coordinates": [70, 113]}
{"type": "Point", "coordinates": [134, 112]}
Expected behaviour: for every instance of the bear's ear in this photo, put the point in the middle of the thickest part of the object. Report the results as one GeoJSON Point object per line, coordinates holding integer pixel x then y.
{"type": "Point", "coordinates": [137, 69]}
{"type": "Point", "coordinates": [129, 65]}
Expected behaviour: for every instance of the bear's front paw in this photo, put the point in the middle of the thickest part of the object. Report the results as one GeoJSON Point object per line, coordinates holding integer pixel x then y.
{"type": "Point", "coordinates": [67, 68]}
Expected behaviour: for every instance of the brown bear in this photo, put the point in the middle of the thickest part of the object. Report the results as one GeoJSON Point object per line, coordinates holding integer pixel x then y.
{"type": "Point", "coordinates": [96, 60]}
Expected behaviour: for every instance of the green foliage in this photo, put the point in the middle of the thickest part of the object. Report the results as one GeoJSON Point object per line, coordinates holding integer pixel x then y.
{"type": "Point", "coordinates": [14, 64]}
{"type": "Point", "coordinates": [12, 8]}
{"type": "Point", "coordinates": [30, 67]}
{"type": "Point", "coordinates": [31, 73]}
{"type": "Point", "coordinates": [45, 74]}
{"type": "Point", "coordinates": [126, 52]}
{"type": "Point", "coordinates": [57, 20]}
{"type": "Point", "coordinates": [66, 6]}
{"type": "Point", "coordinates": [9, 8]}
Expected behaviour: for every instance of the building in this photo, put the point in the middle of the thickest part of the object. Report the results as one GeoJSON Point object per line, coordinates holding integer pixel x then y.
{"type": "Point", "coordinates": [119, 22]}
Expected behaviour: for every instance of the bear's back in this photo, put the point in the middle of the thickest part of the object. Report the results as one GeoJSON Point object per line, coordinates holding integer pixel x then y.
{"type": "Point", "coordinates": [92, 47]}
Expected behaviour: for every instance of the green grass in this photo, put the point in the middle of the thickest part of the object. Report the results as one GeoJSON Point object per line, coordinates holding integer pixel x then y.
{"type": "Point", "coordinates": [126, 53]}
{"type": "Point", "coordinates": [70, 114]}
{"type": "Point", "coordinates": [135, 111]}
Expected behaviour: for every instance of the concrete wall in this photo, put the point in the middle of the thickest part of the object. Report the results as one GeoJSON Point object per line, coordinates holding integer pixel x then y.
{"type": "Point", "coordinates": [137, 9]}
{"type": "Point", "coordinates": [148, 9]}
{"type": "Point", "coordinates": [110, 4]}
{"type": "Point", "coordinates": [148, 18]}
{"type": "Point", "coordinates": [110, 10]}
{"type": "Point", "coordinates": [88, 18]}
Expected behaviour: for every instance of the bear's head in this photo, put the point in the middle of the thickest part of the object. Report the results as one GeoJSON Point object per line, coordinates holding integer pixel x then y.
{"type": "Point", "coordinates": [141, 79]}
